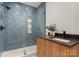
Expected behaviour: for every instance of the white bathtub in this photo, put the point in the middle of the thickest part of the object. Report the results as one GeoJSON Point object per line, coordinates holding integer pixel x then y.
{"type": "Point", "coordinates": [19, 52]}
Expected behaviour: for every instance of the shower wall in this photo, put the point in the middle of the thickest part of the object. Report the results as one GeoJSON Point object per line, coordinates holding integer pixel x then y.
{"type": "Point", "coordinates": [39, 23]}
{"type": "Point", "coordinates": [2, 33]}
{"type": "Point", "coordinates": [15, 20]}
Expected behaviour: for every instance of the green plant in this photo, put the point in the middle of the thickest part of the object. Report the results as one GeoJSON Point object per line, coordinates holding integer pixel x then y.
{"type": "Point", "coordinates": [51, 27]}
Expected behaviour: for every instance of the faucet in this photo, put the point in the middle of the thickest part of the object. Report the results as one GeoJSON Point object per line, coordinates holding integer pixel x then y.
{"type": "Point", "coordinates": [64, 34]}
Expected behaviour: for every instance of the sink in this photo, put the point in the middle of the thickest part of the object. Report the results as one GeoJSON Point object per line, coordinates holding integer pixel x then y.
{"type": "Point", "coordinates": [62, 40]}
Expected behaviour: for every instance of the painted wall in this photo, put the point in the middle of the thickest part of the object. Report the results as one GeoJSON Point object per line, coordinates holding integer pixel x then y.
{"type": "Point", "coordinates": [15, 19]}
{"type": "Point", "coordinates": [77, 17]}
{"type": "Point", "coordinates": [64, 15]}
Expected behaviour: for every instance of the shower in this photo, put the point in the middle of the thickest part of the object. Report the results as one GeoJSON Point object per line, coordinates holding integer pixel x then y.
{"type": "Point", "coordinates": [14, 18]}
{"type": "Point", "coordinates": [7, 7]}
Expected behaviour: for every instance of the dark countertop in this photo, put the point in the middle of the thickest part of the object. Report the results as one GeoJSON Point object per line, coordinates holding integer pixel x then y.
{"type": "Point", "coordinates": [72, 42]}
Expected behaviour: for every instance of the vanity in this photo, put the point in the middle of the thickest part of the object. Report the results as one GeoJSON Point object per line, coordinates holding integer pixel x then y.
{"type": "Point", "coordinates": [57, 47]}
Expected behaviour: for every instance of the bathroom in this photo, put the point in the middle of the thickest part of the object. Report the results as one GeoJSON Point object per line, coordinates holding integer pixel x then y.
{"type": "Point", "coordinates": [24, 32]}
{"type": "Point", "coordinates": [20, 24]}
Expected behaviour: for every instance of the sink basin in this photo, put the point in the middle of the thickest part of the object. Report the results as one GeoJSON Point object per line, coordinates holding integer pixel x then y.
{"type": "Point", "coordinates": [62, 40]}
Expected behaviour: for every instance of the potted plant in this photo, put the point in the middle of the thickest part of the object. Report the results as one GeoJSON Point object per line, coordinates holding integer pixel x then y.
{"type": "Point", "coordinates": [52, 29]}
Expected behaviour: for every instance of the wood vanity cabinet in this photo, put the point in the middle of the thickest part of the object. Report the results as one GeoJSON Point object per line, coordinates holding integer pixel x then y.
{"type": "Point", "coordinates": [42, 48]}
{"type": "Point", "coordinates": [47, 48]}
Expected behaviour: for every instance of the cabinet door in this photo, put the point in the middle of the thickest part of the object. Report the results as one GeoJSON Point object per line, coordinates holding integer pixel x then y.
{"type": "Point", "coordinates": [43, 47]}
{"type": "Point", "coordinates": [74, 51]}
{"type": "Point", "coordinates": [58, 50]}
{"type": "Point", "coordinates": [40, 47]}
{"type": "Point", "coordinates": [68, 51]}
{"type": "Point", "coordinates": [78, 50]}
{"type": "Point", "coordinates": [54, 48]}
{"type": "Point", "coordinates": [64, 51]}
{"type": "Point", "coordinates": [47, 47]}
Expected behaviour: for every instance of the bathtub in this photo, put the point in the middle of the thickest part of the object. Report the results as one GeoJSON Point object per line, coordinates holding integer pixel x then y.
{"type": "Point", "coordinates": [20, 52]}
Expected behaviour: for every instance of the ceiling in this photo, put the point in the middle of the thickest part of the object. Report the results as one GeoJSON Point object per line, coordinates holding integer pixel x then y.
{"type": "Point", "coordinates": [33, 4]}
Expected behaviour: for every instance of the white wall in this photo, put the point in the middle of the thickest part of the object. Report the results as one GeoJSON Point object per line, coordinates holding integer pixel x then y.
{"type": "Point", "coordinates": [77, 17]}
{"type": "Point", "coordinates": [63, 15]}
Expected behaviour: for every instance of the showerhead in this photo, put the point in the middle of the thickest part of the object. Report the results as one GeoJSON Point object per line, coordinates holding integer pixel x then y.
{"type": "Point", "coordinates": [7, 7]}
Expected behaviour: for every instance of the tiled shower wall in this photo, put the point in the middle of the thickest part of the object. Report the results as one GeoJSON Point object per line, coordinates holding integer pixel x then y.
{"type": "Point", "coordinates": [41, 19]}
{"type": "Point", "coordinates": [15, 35]}
{"type": "Point", "coordinates": [40, 22]}
{"type": "Point", "coordinates": [2, 33]}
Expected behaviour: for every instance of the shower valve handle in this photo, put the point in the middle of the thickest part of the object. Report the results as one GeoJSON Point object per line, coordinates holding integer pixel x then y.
{"type": "Point", "coordinates": [2, 27]}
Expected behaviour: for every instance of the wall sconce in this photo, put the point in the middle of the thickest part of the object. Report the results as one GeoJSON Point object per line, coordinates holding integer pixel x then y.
{"type": "Point", "coordinates": [30, 25]}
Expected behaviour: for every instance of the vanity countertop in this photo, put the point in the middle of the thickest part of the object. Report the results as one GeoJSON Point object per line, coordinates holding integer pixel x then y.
{"type": "Point", "coordinates": [72, 42]}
